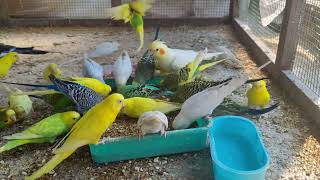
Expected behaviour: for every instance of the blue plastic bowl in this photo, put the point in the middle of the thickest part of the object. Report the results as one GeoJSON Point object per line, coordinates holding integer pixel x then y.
{"type": "Point", "coordinates": [237, 150]}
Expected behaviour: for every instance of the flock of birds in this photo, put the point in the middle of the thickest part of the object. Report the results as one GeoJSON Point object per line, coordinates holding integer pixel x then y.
{"type": "Point", "coordinates": [165, 80]}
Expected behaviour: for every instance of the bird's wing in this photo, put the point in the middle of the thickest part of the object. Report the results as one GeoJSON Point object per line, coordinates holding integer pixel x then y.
{"type": "Point", "coordinates": [47, 128]}
{"type": "Point", "coordinates": [121, 12]}
{"type": "Point", "coordinates": [141, 6]}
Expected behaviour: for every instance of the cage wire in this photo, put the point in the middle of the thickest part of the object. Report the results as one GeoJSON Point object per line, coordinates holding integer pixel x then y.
{"type": "Point", "coordinates": [264, 18]}
{"type": "Point", "coordinates": [306, 64]}
{"type": "Point", "coordinates": [99, 9]}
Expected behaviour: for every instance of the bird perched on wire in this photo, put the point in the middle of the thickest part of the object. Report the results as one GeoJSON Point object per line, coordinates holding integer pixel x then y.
{"type": "Point", "coordinates": [258, 95]}
{"type": "Point", "coordinates": [136, 106]}
{"type": "Point", "coordinates": [88, 130]}
{"type": "Point", "coordinates": [133, 12]}
{"type": "Point", "coordinates": [92, 69]}
{"type": "Point", "coordinates": [6, 63]}
{"type": "Point", "coordinates": [122, 69]}
{"type": "Point", "coordinates": [53, 69]}
{"type": "Point", "coordinates": [171, 60]}
{"type": "Point", "coordinates": [146, 66]}
{"type": "Point", "coordinates": [152, 122]}
{"type": "Point", "coordinates": [46, 130]}
{"type": "Point", "coordinates": [4, 49]}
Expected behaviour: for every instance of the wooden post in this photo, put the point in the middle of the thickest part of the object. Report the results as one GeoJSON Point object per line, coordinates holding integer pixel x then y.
{"type": "Point", "coordinates": [234, 8]}
{"type": "Point", "coordinates": [3, 11]}
{"type": "Point", "coordinates": [289, 34]}
{"type": "Point", "coordinates": [115, 3]}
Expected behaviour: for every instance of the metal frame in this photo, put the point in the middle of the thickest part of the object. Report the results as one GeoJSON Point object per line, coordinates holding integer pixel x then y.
{"type": "Point", "coordinates": [280, 70]}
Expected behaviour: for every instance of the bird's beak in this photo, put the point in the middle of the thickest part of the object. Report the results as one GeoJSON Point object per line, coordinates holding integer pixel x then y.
{"type": "Point", "coordinates": [14, 118]}
{"type": "Point", "coordinates": [122, 104]}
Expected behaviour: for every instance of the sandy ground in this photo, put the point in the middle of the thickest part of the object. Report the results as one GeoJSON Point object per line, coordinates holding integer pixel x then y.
{"type": "Point", "coordinates": [289, 136]}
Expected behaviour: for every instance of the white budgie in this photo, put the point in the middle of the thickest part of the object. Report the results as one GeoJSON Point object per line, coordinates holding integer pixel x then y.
{"type": "Point", "coordinates": [92, 69]}
{"type": "Point", "coordinates": [204, 102]}
{"type": "Point", "coordinates": [152, 122]}
{"type": "Point", "coordinates": [171, 60]}
{"type": "Point", "coordinates": [104, 49]}
{"type": "Point", "coordinates": [122, 69]}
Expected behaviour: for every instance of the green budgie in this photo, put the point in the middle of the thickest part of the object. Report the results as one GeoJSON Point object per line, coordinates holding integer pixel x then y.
{"type": "Point", "coordinates": [47, 130]}
{"type": "Point", "coordinates": [147, 91]}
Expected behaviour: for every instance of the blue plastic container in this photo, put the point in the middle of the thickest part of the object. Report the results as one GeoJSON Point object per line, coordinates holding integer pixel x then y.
{"type": "Point", "coordinates": [237, 149]}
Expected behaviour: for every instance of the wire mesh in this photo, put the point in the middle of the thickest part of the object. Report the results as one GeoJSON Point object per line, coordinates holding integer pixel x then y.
{"type": "Point", "coordinates": [99, 9]}
{"type": "Point", "coordinates": [306, 64]}
{"type": "Point", "coordinates": [264, 18]}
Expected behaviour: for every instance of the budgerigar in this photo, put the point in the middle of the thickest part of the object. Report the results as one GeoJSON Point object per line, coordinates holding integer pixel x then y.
{"type": "Point", "coordinates": [136, 106]}
{"type": "Point", "coordinates": [88, 130]}
{"type": "Point", "coordinates": [171, 60]}
{"type": "Point", "coordinates": [104, 49]}
{"type": "Point", "coordinates": [258, 95]}
{"type": "Point", "coordinates": [122, 69]}
{"type": "Point", "coordinates": [21, 104]}
{"type": "Point", "coordinates": [204, 102]}
{"type": "Point", "coordinates": [53, 69]}
{"type": "Point", "coordinates": [84, 98]}
{"type": "Point", "coordinates": [133, 12]}
{"type": "Point", "coordinates": [146, 66]}
{"type": "Point", "coordinates": [7, 117]}
{"type": "Point", "coordinates": [92, 69]}
{"type": "Point", "coordinates": [46, 130]}
{"type": "Point", "coordinates": [185, 91]}
{"type": "Point", "coordinates": [148, 91]}
{"type": "Point", "coordinates": [152, 122]}
{"type": "Point", "coordinates": [4, 49]}
{"type": "Point", "coordinates": [99, 87]}
{"type": "Point", "coordinates": [6, 63]}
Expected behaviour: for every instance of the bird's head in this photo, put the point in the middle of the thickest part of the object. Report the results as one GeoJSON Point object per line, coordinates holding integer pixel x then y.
{"type": "Point", "coordinates": [54, 69]}
{"type": "Point", "coordinates": [10, 116]}
{"type": "Point", "coordinates": [259, 84]}
{"type": "Point", "coordinates": [70, 117]}
{"type": "Point", "coordinates": [116, 100]}
{"type": "Point", "coordinates": [107, 90]}
{"type": "Point", "coordinates": [159, 49]}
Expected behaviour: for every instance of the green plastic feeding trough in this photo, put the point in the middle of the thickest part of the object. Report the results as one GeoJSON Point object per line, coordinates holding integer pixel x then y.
{"type": "Point", "coordinates": [177, 141]}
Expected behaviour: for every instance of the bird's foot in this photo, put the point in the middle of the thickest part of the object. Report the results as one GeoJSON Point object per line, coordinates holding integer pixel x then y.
{"type": "Point", "coordinates": [163, 133]}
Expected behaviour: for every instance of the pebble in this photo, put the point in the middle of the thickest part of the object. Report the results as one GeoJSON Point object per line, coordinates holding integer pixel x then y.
{"type": "Point", "coordinates": [24, 173]}
{"type": "Point", "coordinates": [157, 167]}
{"type": "Point", "coordinates": [156, 159]}
{"type": "Point", "coordinates": [2, 162]}
{"type": "Point", "coordinates": [136, 168]}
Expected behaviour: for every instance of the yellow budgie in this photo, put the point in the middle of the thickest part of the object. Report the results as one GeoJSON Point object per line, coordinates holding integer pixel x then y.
{"type": "Point", "coordinates": [87, 130]}
{"type": "Point", "coordinates": [7, 117]}
{"type": "Point", "coordinates": [136, 106]}
{"type": "Point", "coordinates": [258, 95]}
{"type": "Point", "coordinates": [6, 63]}
{"type": "Point", "coordinates": [51, 69]}
{"type": "Point", "coordinates": [133, 12]}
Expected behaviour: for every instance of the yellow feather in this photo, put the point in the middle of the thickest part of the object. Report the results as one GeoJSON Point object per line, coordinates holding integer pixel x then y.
{"type": "Point", "coordinates": [141, 6]}
{"type": "Point", "coordinates": [51, 69]}
{"type": "Point", "coordinates": [258, 95]}
{"type": "Point", "coordinates": [94, 84]}
{"type": "Point", "coordinates": [121, 12]}
{"type": "Point", "coordinates": [136, 106]}
{"type": "Point", "coordinates": [6, 63]}
{"type": "Point", "coordinates": [88, 130]}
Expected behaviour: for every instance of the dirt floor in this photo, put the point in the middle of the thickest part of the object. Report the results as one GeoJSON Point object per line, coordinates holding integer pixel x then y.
{"type": "Point", "coordinates": [289, 136]}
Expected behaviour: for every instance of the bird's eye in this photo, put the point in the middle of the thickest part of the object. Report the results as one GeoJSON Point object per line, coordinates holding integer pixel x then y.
{"type": "Point", "coordinates": [120, 101]}
{"type": "Point", "coordinates": [157, 49]}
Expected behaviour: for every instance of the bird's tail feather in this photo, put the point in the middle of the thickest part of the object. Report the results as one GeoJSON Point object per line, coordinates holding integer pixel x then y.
{"type": "Point", "coordinates": [49, 86]}
{"type": "Point", "coordinates": [57, 159]}
{"type": "Point", "coordinates": [13, 144]}
{"type": "Point", "coordinates": [29, 50]}
{"type": "Point", "coordinates": [43, 92]}
{"type": "Point", "coordinates": [262, 111]}
{"type": "Point", "coordinates": [141, 36]}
